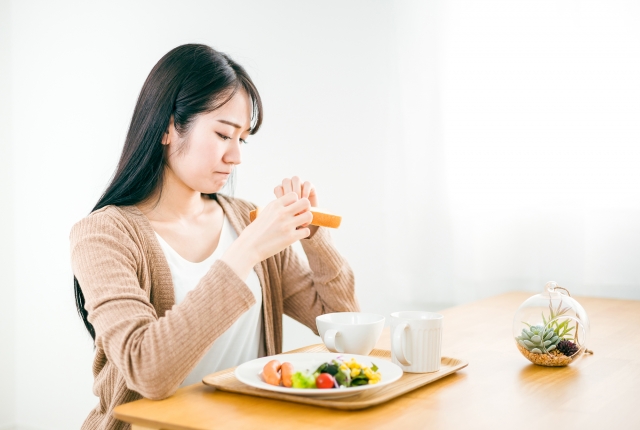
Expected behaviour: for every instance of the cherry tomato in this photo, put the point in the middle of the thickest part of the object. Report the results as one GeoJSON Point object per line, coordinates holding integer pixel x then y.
{"type": "Point", "coordinates": [325, 380]}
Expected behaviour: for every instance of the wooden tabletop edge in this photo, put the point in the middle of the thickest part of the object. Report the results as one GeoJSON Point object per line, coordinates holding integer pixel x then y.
{"type": "Point", "coordinates": [151, 424]}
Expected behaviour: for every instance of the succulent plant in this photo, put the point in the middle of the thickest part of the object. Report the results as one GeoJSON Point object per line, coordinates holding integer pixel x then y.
{"type": "Point", "coordinates": [538, 340]}
{"type": "Point", "coordinates": [567, 347]}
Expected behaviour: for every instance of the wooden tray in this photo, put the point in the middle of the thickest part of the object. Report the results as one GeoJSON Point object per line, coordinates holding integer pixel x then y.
{"type": "Point", "coordinates": [225, 380]}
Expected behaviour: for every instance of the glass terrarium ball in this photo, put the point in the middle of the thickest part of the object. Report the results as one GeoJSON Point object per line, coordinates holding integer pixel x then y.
{"type": "Point", "coordinates": [551, 328]}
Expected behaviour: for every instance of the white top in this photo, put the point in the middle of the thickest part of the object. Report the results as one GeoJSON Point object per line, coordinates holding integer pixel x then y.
{"type": "Point", "coordinates": [243, 340]}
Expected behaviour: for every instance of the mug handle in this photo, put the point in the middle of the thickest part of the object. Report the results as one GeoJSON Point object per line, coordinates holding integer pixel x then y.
{"type": "Point", "coordinates": [330, 340]}
{"type": "Point", "coordinates": [397, 344]}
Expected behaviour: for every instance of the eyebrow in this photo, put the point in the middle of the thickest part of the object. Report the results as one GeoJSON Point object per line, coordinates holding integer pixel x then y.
{"type": "Point", "coordinates": [233, 124]}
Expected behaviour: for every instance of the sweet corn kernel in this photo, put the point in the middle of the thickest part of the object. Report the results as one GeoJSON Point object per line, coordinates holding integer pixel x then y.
{"type": "Point", "coordinates": [373, 381]}
{"type": "Point", "coordinates": [355, 372]}
{"type": "Point", "coordinates": [343, 367]}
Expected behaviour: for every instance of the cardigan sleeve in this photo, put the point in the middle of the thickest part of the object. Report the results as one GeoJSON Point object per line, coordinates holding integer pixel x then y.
{"type": "Point", "coordinates": [153, 354]}
{"type": "Point", "coordinates": [325, 285]}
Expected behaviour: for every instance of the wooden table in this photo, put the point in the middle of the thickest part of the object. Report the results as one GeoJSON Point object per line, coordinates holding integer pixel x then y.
{"type": "Point", "coordinates": [499, 389]}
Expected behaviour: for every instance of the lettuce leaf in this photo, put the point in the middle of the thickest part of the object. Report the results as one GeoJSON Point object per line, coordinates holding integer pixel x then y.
{"type": "Point", "coordinates": [303, 380]}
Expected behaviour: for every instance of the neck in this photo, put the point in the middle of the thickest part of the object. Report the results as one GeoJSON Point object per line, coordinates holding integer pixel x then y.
{"type": "Point", "coordinates": [176, 201]}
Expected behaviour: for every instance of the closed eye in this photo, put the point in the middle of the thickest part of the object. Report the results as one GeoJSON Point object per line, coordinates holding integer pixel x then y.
{"type": "Point", "coordinates": [223, 137]}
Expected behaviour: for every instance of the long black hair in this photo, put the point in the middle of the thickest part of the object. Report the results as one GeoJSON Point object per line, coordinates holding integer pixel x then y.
{"type": "Point", "coordinates": [189, 80]}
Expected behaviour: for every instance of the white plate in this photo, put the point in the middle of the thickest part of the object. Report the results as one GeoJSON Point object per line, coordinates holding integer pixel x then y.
{"type": "Point", "coordinates": [250, 373]}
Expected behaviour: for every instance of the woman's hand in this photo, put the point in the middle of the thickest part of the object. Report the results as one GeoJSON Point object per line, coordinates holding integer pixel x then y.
{"type": "Point", "coordinates": [281, 223]}
{"type": "Point", "coordinates": [303, 190]}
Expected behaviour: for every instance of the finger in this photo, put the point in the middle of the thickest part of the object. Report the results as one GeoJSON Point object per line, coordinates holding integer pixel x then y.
{"type": "Point", "coordinates": [302, 205]}
{"type": "Point", "coordinates": [303, 233]}
{"type": "Point", "coordinates": [303, 219]}
{"type": "Point", "coordinates": [288, 199]}
{"type": "Point", "coordinates": [286, 185]}
{"type": "Point", "coordinates": [278, 191]}
{"type": "Point", "coordinates": [296, 186]}
{"type": "Point", "coordinates": [306, 189]}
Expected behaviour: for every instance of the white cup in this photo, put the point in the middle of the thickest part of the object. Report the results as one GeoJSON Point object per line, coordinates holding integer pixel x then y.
{"type": "Point", "coordinates": [416, 341]}
{"type": "Point", "coordinates": [350, 332]}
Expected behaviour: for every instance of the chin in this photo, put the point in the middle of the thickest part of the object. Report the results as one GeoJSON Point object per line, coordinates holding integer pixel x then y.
{"type": "Point", "coordinates": [211, 189]}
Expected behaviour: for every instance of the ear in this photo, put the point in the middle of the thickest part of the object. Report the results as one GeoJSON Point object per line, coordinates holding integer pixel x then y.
{"type": "Point", "coordinates": [169, 132]}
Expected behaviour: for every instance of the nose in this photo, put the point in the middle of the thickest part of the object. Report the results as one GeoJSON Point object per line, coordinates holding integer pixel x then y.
{"type": "Point", "coordinates": [233, 155]}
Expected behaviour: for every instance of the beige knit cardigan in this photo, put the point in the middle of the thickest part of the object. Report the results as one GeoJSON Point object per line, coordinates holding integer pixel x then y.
{"type": "Point", "coordinates": [145, 344]}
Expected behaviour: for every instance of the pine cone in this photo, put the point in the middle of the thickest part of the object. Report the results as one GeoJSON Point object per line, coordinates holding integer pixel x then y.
{"type": "Point", "coordinates": [567, 347]}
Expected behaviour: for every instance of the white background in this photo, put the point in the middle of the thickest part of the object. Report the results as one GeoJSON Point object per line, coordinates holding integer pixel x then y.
{"type": "Point", "coordinates": [472, 148]}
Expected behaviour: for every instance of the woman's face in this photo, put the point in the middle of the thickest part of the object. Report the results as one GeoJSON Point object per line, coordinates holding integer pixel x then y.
{"type": "Point", "coordinates": [204, 158]}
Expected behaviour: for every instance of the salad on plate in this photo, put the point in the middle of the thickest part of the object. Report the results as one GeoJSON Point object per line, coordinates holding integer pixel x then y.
{"type": "Point", "coordinates": [336, 373]}
{"type": "Point", "coordinates": [320, 375]}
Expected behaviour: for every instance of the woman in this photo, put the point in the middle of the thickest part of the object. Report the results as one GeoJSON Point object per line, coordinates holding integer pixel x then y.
{"type": "Point", "coordinates": [171, 279]}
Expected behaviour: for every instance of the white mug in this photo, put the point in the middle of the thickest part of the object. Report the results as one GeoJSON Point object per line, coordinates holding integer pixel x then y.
{"type": "Point", "coordinates": [416, 341]}
{"type": "Point", "coordinates": [350, 332]}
